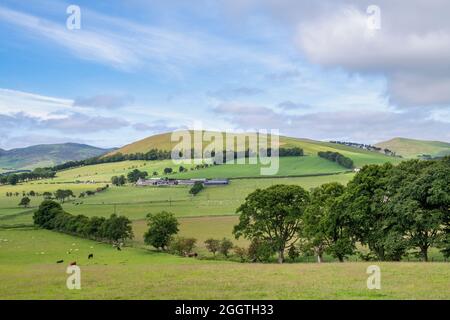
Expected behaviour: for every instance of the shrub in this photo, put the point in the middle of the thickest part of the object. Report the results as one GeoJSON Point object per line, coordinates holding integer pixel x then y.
{"type": "Point", "coordinates": [242, 253]}
{"type": "Point", "coordinates": [182, 246]}
{"type": "Point", "coordinates": [260, 250]}
{"type": "Point", "coordinates": [212, 245]}
{"type": "Point", "coordinates": [225, 246]}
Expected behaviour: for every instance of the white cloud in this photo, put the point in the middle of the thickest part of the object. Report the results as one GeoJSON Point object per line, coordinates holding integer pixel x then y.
{"type": "Point", "coordinates": [12, 101]}
{"type": "Point", "coordinates": [129, 46]}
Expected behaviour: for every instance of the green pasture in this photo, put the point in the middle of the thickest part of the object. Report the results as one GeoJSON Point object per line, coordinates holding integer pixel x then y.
{"type": "Point", "coordinates": [28, 270]}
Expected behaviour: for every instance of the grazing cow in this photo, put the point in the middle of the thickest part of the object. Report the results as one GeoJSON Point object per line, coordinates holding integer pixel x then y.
{"type": "Point", "coordinates": [74, 263]}
{"type": "Point", "coordinates": [118, 248]}
{"type": "Point", "coordinates": [91, 256]}
{"type": "Point", "coordinates": [192, 255]}
{"type": "Point", "coordinates": [60, 261]}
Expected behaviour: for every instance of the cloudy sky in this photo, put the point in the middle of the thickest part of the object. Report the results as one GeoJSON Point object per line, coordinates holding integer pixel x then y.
{"type": "Point", "coordinates": [311, 69]}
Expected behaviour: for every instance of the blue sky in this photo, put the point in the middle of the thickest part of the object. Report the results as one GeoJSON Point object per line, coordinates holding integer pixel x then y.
{"type": "Point", "coordinates": [136, 68]}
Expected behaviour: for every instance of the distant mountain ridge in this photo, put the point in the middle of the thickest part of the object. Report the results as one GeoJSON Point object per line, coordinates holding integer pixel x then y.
{"type": "Point", "coordinates": [412, 148]}
{"type": "Point", "coordinates": [44, 155]}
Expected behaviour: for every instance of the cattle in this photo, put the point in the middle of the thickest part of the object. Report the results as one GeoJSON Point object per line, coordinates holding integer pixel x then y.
{"type": "Point", "coordinates": [192, 255]}
{"type": "Point", "coordinates": [91, 256]}
{"type": "Point", "coordinates": [74, 263]}
{"type": "Point", "coordinates": [60, 261]}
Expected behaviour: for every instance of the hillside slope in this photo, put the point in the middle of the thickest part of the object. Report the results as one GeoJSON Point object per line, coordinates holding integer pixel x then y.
{"type": "Point", "coordinates": [310, 147]}
{"type": "Point", "coordinates": [47, 155]}
{"type": "Point", "coordinates": [411, 148]}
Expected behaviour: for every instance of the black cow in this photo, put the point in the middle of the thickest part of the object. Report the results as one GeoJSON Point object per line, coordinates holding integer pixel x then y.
{"type": "Point", "coordinates": [91, 256]}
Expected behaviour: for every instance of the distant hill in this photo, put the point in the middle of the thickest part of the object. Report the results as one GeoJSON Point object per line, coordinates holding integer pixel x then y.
{"type": "Point", "coordinates": [410, 148]}
{"type": "Point", "coordinates": [310, 147]}
{"type": "Point", "coordinates": [47, 155]}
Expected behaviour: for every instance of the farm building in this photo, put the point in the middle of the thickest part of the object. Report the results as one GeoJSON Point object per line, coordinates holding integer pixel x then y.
{"type": "Point", "coordinates": [175, 182]}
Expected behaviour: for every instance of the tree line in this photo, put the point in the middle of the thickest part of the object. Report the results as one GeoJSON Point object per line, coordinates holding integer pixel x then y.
{"type": "Point", "coordinates": [36, 174]}
{"type": "Point", "coordinates": [115, 229]}
{"type": "Point", "coordinates": [336, 157]}
{"type": "Point", "coordinates": [156, 154]}
{"type": "Point", "coordinates": [393, 210]}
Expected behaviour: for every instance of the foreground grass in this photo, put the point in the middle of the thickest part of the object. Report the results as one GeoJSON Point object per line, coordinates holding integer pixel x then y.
{"type": "Point", "coordinates": [28, 271]}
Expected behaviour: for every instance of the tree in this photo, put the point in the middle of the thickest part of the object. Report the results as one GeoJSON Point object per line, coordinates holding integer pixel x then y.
{"type": "Point", "coordinates": [115, 180]}
{"type": "Point", "coordinates": [196, 188]}
{"type": "Point", "coordinates": [225, 246]}
{"type": "Point", "coordinates": [326, 224]}
{"type": "Point", "coordinates": [135, 175]}
{"type": "Point", "coordinates": [45, 214]}
{"type": "Point", "coordinates": [117, 228]}
{"type": "Point", "coordinates": [47, 195]}
{"type": "Point", "coordinates": [366, 201]}
{"type": "Point", "coordinates": [162, 227]}
{"type": "Point", "coordinates": [273, 215]}
{"type": "Point", "coordinates": [93, 228]}
{"type": "Point", "coordinates": [62, 195]}
{"type": "Point", "coordinates": [25, 202]}
{"type": "Point", "coordinates": [121, 180]}
{"type": "Point", "coordinates": [422, 201]}
{"type": "Point", "coordinates": [13, 179]}
{"type": "Point", "coordinates": [212, 245]}
{"type": "Point", "coordinates": [168, 170]}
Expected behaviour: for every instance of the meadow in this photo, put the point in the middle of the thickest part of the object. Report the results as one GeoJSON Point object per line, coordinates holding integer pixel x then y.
{"type": "Point", "coordinates": [28, 256]}
{"type": "Point", "coordinates": [28, 270]}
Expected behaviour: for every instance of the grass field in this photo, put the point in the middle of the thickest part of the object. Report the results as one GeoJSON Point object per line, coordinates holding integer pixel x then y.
{"type": "Point", "coordinates": [28, 268]}
{"type": "Point", "coordinates": [136, 202]}
{"type": "Point", "coordinates": [310, 147]}
{"type": "Point", "coordinates": [410, 148]}
{"type": "Point", "coordinates": [28, 271]}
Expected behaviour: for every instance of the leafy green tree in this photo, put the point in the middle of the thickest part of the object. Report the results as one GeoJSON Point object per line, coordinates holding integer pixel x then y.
{"type": "Point", "coordinates": [45, 214]}
{"type": "Point", "coordinates": [326, 225]}
{"type": "Point", "coordinates": [422, 201]}
{"type": "Point", "coordinates": [93, 228]}
{"type": "Point", "coordinates": [212, 245]}
{"type": "Point", "coordinates": [117, 228]}
{"type": "Point", "coordinates": [196, 188]}
{"type": "Point", "coordinates": [373, 223]}
{"type": "Point", "coordinates": [293, 253]}
{"type": "Point", "coordinates": [47, 195]}
{"type": "Point", "coordinates": [13, 179]}
{"type": "Point", "coordinates": [162, 227]}
{"type": "Point", "coordinates": [225, 246]}
{"type": "Point", "coordinates": [168, 170]}
{"type": "Point", "coordinates": [121, 180]}
{"type": "Point", "coordinates": [135, 175]}
{"type": "Point", "coordinates": [115, 180]}
{"type": "Point", "coordinates": [274, 215]}
{"type": "Point", "coordinates": [62, 195]}
{"type": "Point", "coordinates": [25, 202]}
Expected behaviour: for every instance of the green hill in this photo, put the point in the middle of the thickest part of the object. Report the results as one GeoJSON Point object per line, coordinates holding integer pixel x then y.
{"type": "Point", "coordinates": [46, 155]}
{"type": "Point", "coordinates": [310, 147]}
{"type": "Point", "coordinates": [410, 148]}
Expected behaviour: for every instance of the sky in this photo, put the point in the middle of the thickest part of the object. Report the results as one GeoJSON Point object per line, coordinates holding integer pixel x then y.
{"type": "Point", "coordinates": [311, 69]}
